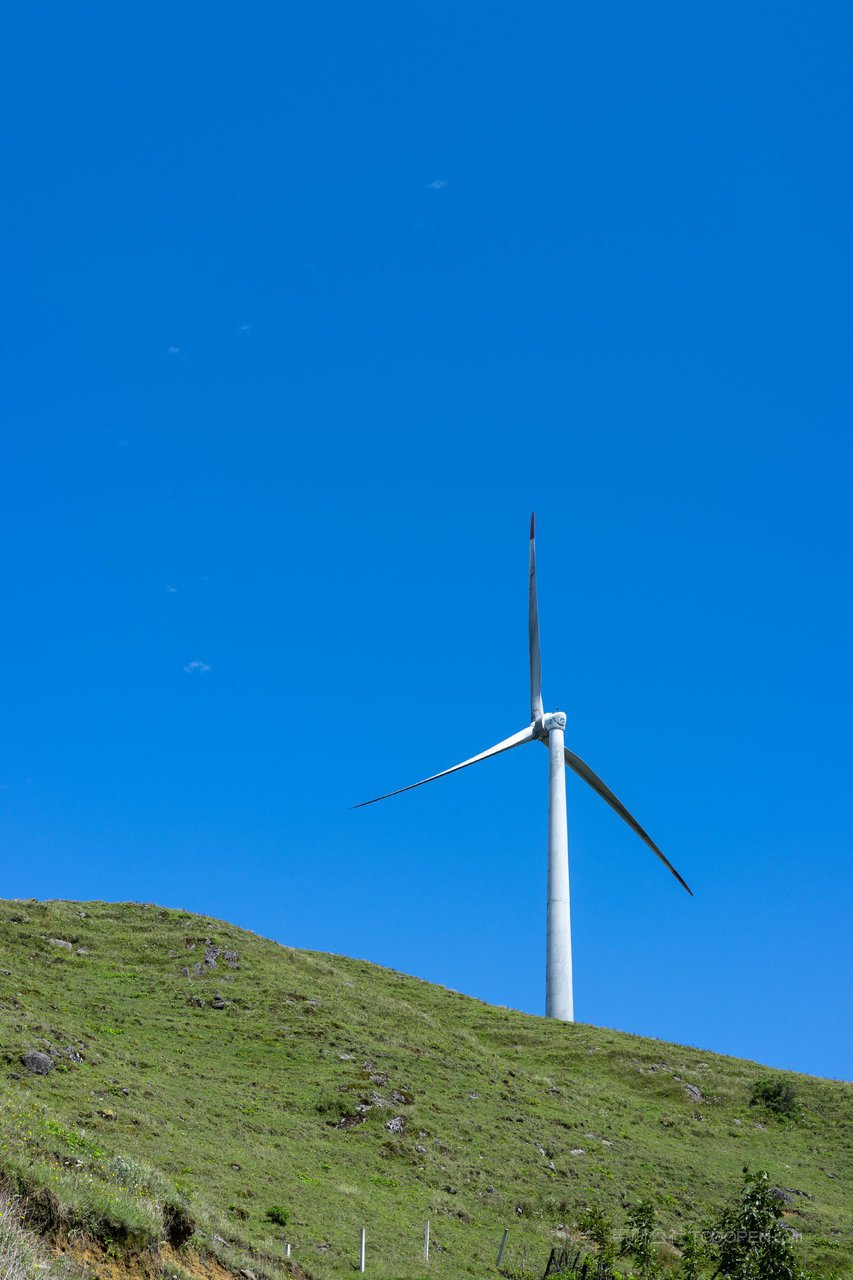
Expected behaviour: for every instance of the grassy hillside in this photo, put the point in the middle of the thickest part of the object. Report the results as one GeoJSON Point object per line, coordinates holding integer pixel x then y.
{"type": "Point", "coordinates": [203, 1076]}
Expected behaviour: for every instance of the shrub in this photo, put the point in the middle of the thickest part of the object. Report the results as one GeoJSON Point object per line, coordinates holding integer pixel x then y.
{"type": "Point", "coordinates": [597, 1225]}
{"type": "Point", "coordinates": [747, 1240]}
{"type": "Point", "coordinates": [277, 1214]}
{"type": "Point", "coordinates": [693, 1254]}
{"type": "Point", "coordinates": [778, 1096]}
{"type": "Point", "coordinates": [639, 1240]}
{"type": "Point", "coordinates": [334, 1105]}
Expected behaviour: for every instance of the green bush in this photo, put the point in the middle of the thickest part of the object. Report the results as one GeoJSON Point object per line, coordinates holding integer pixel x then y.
{"type": "Point", "coordinates": [778, 1096]}
{"type": "Point", "coordinates": [597, 1225]}
{"type": "Point", "coordinates": [335, 1105]}
{"type": "Point", "coordinates": [693, 1254]}
{"type": "Point", "coordinates": [747, 1240]}
{"type": "Point", "coordinates": [639, 1240]}
{"type": "Point", "coordinates": [277, 1214]}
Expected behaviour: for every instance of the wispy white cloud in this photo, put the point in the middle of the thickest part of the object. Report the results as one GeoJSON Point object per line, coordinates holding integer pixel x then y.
{"type": "Point", "coordinates": [438, 185]}
{"type": "Point", "coordinates": [196, 668]}
{"type": "Point", "coordinates": [174, 351]}
{"type": "Point", "coordinates": [172, 591]}
{"type": "Point", "coordinates": [245, 328]}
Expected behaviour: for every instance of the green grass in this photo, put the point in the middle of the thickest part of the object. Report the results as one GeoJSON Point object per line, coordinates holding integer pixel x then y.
{"type": "Point", "coordinates": [218, 1115]}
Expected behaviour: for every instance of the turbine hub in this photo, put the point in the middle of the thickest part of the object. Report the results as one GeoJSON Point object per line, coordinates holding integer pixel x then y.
{"type": "Point", "coordinates": [550, 720]}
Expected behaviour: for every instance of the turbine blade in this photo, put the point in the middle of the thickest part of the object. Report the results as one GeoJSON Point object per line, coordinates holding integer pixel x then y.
{"type": "Point", "coordinates": [536, 708]}
{"type": "Point", "coordinates": [517, 740]}
{"type": "Point", "coordinates": [592, 779]}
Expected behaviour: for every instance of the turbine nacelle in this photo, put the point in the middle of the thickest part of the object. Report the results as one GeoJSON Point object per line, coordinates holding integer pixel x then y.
{"type": "Point", "coordinates": [543, 724]}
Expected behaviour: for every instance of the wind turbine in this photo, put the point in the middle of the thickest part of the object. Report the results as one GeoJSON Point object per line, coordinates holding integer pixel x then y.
{"type": "Point", "coordinates": [549, 729]}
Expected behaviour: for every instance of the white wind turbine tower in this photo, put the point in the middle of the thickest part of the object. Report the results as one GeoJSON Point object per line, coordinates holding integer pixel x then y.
{"type": "Point", "coordinates": [548, 728]}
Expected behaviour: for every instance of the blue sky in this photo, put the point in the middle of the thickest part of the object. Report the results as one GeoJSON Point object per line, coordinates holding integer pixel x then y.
{"type": "Point", "coordinates": [305, 310]}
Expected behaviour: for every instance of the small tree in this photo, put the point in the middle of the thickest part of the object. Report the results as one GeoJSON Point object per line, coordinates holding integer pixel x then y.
{"type": "Point", "coordinates": [693, 1254]}
{"type": "Point", "coordinates": [639, 1240]}
{"type": "Point", "coordinates": [748, 1242]}
{"type": "Point", "coordinates": [596, 1223]}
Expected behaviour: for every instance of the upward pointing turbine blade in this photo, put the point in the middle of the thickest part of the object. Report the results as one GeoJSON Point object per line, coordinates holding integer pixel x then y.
{"type": "Point", "coordinates": [536, 708]}
{"type": "Point", "coordinates": [592, 779]}
{"type": "Point", "coordinates": [517, 740]}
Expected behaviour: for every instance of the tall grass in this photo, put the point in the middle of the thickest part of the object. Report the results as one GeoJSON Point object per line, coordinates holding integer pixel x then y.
{"type": "Point", "coordinates": [22, 1254]}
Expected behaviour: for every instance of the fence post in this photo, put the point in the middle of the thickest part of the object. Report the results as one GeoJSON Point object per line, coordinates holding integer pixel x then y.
{"type": "Point", "coordinates": [287, 1251]}
{"type": "Point", "coordinates": [503, 1245]}
{"type": "Point", "coordinates": [426, 1242]}
{"type": "Point", "coordinates": [361, 1252]}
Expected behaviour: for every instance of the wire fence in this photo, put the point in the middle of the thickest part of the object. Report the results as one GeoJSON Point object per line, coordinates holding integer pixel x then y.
{"type": "Point", "coordinates": [567, 1260]}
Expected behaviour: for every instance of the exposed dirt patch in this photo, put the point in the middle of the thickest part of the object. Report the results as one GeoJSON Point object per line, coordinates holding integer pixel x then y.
{"type": "Point", "coordinates": [154, 1264]}
{"type": "Point", "coordinates": [41, 1211]}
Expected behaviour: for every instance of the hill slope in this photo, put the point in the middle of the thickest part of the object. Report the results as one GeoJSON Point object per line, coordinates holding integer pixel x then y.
{"type": "Point", "coordinates": [251, 1076]}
